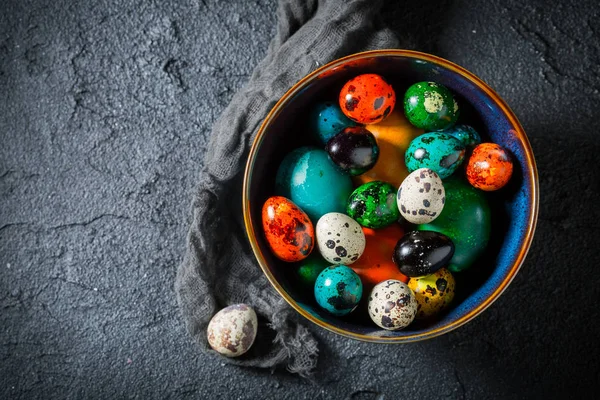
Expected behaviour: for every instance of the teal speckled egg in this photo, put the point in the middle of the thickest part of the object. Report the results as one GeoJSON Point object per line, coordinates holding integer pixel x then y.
{"type": "Point", "coordinates": [326, 119]}
{"type": "Point", "coordinates": [338, 290]}
{"type": "Point", "coordinates": [466, 220]}
{"type": "Point", "coordinates": [437, 151]}
{"type": "Point", "coordinates": [467, 135]}
{"type": "Point", "coordinates": [374, 205]}
{"type": "Point", "coordinates": [309, 178]}
{"type": "Point", "coordinates": [430, 106]}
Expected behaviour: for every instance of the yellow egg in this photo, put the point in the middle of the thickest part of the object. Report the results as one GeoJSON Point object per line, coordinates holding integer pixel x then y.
{"type": "Point", "coordinates": [433, 292]}
{"type": "Point", "coordinates": [393, 135]}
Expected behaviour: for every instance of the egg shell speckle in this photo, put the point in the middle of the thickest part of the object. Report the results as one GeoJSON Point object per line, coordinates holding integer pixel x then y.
{"type": "Point", "coordinates": [433, 292]}
{"type": "Point", "coordinates": [392, 305]}
{"type": "Point", "coordinates": [340, 238]}
{"type": "Point", "coordinates": [421, 196]}
{"type": "Point", "coordinates": [338, 290]}
{"type": "Point", "coordinates": [231, 331]}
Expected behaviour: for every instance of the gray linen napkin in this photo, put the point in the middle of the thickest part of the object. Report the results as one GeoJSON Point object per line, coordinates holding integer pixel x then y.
{"type": "Point", "coordinates": [219, 268]}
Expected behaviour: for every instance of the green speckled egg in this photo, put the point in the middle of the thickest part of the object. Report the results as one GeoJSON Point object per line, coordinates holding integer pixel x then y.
{"type": "Point", "coordinates": [437, 151]}
{"type": "Point", "coordinates": [466, 220]}
{"type": "Point", "coordinates": [430, 106]}
{"type": "Point", "coordinates": [374, 205]}
{"type": "Point", "coordinates": [467, 135]}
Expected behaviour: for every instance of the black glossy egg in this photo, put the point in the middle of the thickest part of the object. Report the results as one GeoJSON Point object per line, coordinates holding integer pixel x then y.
{"type": "Point", "coordinates": [420, 253]}
{"type": "Point", "coordinates": [354, 150]}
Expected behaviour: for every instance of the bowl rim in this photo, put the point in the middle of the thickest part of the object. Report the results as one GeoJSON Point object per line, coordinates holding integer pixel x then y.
{"type": "Point", "coordinates": [520, 133]}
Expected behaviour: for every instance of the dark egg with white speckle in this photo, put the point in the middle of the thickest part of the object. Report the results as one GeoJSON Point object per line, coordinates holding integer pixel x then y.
{"type": "Point", "coordinates": [421, 253]}
{"type": "Point", "coordinates": [354, 150]}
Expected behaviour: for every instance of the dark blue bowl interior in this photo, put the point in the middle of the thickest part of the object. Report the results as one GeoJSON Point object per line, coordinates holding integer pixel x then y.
{"type": "Point", "coordinates": [514, 208]}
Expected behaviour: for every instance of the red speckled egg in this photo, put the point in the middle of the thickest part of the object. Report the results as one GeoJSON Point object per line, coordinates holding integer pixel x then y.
{"type": "Point", "coordinates": [489, 167]}
{"type": "Point", "coordinates": [367, 99]}
{"type": "Point", "coordinates": [288, 230]}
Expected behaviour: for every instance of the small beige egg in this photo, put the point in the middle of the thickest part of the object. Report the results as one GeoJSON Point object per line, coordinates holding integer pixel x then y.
{"type": "Point", "coordinates": [231, 331]}
{"type": "Point", "coordinates": [392, 305]}
{"type": "Point", "coordinates": [340, 239]}
{"type": "Point", "coordinates": [421, 196]}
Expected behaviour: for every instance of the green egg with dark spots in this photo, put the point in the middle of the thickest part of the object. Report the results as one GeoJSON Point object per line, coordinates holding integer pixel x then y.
{"type": "Point", "coordinates": [374, 205]}
{"type": "Point", "coordinates": [466, 220]}
{"type": "Point", "coordinates": [437, 151]}
{"type": "Point", "coordinates": [430, 106]}
{"type": "Point", "coordinates": [309, 269]}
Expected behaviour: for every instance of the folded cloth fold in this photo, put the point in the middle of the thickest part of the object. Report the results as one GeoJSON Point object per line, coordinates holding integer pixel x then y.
{"type": "Point", "coordinates": [219, 268]}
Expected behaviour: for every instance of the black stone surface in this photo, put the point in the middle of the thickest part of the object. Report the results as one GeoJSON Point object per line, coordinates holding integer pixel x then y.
{"type": "Point", "coordinates": [105, 109]}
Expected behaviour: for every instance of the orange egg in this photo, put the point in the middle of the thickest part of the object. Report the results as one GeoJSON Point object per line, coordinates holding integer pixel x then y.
{"type": "Point", "coordinates": [489, 167]}
{"type": "Point", "coordinates": [376, 265]}
{"type": "Point", "coordinates": [288, 230]}
{"type": "Point", "coordinates": [393, 136]}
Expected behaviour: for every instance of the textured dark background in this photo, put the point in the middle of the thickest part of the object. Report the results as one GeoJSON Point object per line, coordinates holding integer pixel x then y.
{"type": "Point", "coordinates": [105, 111]}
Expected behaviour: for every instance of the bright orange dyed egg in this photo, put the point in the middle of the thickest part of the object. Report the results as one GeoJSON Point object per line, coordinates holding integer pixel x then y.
{"type": "Point", "coordinates": [376, 265]}
{"type": "Point", "coordinates": [367, 99]}
{"type": "Point", "coordinates": [393, 136]}
{"type": "Point", "coordinates": [288, 230]}
{"type": "Point", "coordinates": [489, 167]}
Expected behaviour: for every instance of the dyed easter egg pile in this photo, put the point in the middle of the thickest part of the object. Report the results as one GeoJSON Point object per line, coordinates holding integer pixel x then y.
{"type": "Point", "coordinates": [379, 209]}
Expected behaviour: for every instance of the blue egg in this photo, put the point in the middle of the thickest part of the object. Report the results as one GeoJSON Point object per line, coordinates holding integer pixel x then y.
{"type": "Point", "coordinates": [309, 178]}
{"type": "Point", "coordinates": [326, 120]}
{"type": "Point", "coordinates": [338, 289]}
{"type": "Point", "coordinates": [467, 135]}
{"type": "Point", "coordinates": [437, 151]}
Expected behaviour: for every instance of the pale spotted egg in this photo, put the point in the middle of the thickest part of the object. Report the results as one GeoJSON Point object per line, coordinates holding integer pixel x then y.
{"type": "Point", "coordinates": [340, 238]}
{"type": "Point", "coordinates": [421, 196]}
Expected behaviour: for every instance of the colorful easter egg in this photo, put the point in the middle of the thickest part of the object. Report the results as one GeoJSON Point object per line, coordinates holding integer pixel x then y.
{"type": "Point", "coordinates": [309, 178]}
{"type": "Point", "coordinates": [393, 136]}
{"type": "Point", "coordinates": [338, 290]}
{"type": "Point", "coordinates": [421, 196]}
{"type": "Point", "coordinates": [367, 99]}
{"type": "Point", "coordinates": [354, 150]}
{"type": "Point", "coordinates": [433, 292]}
{"type": "Point", "coordinates": [376, 264]}
{"type": "Point", "coordinates": [325, 120]}
{"type": "Point", "coordinates": [466, 220]}
{"type": "Point", "coordinates": [288, 229]}
{"type": "Point", "coordinates": [309, 268]}
{"type": "Point", "coordinates": [392, 305]}
{"type": "Point", "coordinates": [231, 331]}
{"type": "Point", "coordinates": [420, 253]}
{"type": "Point", "coordinates": [466, 134]}
{"type": "Point", "coordinates": [430, 106]}
{"type": "Point", "coordinates": [437, 151]}
{"type": "Point", "coordinates": [374, 204]}
{"type": "Point", "coordinates": [490, 167]}
{"type": "Point", "coordinates": [339, 238]}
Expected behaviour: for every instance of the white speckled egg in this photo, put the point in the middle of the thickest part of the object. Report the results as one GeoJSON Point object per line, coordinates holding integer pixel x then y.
{"type": "Point", "coordinates": [392, 305]}
{"type": "Point", "coordinates": [421, 196]}
{"type": "Point", "coordinates": [340, 238]}
{"type": "Point", "coordinates": [232, 330]}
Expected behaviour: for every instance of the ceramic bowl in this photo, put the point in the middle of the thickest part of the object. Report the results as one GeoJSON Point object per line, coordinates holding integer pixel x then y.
{"type": "Point", "coordinates": [515, 207]}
